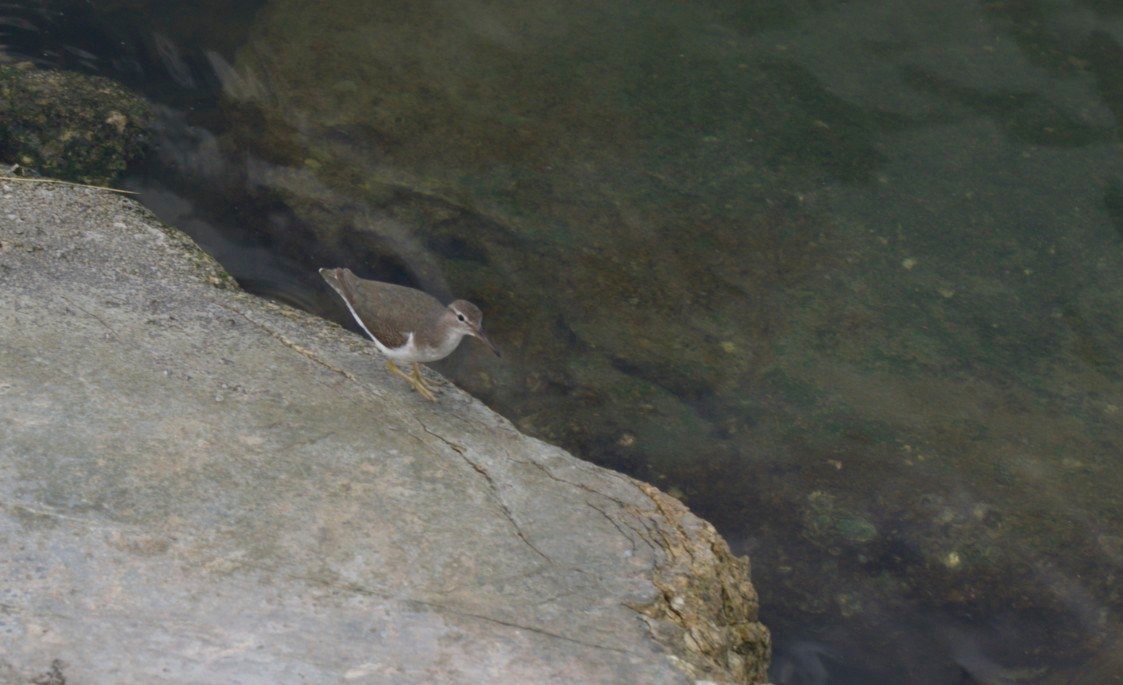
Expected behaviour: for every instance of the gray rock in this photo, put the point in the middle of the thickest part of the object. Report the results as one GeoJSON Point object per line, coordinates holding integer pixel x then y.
{"type": "Point", "coordinates": [197, 485]}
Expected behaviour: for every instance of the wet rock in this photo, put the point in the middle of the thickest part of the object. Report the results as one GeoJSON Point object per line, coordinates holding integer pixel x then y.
{"type": "Point", "coordinates": [70, 126]}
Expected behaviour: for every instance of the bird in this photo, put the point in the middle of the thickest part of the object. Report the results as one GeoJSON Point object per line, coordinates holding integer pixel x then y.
{"type": "Point", "coordinates": [406, 324]}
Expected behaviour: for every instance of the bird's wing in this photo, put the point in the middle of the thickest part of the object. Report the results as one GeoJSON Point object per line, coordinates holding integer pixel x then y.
{"type": "Point", "coordinates": [359, 298]}
{"type": "Point", "coordinates": [401, 310]}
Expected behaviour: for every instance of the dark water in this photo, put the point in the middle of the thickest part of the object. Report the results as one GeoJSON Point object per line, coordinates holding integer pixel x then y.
{"type": "Point", "coordinates": [845, 277]}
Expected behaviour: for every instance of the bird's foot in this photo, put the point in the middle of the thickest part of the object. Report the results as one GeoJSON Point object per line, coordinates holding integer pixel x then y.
{"type": "Point", "coordinates": [424, 388]}
{"type": "Point", "coordinates": [414, 379]}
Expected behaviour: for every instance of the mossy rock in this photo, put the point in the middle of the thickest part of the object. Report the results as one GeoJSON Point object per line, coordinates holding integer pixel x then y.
{"type": "Point", "coordinates": [69, 126]}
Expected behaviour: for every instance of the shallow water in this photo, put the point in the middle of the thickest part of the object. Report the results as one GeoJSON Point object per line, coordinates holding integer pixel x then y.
{"type": "Point", "coordinates": [845, 277]}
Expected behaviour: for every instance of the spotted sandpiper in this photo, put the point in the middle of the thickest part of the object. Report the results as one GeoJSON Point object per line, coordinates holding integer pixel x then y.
{"type": "Point", "coordinates": [406, 324]}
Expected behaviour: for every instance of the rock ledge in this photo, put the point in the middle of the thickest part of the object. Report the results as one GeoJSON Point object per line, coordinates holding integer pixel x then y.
{"type": "Point", "coordinates": [197, 485]}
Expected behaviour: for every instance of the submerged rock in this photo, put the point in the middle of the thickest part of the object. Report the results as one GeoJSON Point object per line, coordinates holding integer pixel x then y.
{"type": "Point", "coordinates": [614, 226]}
{"type": "Point", "coordinates": [71, 126]}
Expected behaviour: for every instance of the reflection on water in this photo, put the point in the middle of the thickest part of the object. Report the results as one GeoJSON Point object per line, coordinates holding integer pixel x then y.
{"type": "Point", "coordinates": [846, 277]}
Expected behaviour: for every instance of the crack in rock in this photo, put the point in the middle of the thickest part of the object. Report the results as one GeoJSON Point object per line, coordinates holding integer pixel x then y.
{"type": "Point", "coordinates": [493, 489]}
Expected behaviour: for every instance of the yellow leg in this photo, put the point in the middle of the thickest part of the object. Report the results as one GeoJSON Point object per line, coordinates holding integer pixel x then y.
{"type": "Point", "coordinates": [415, 380]}
{"type": "Point", "coordinates": [421, 386]}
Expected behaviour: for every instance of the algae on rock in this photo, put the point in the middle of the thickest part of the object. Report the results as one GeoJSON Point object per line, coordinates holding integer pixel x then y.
{"type": "Point", "coordinates": [69, 126]}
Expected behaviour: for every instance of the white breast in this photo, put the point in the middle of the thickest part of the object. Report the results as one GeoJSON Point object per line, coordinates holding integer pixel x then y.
{"type": "Point", "coordinates": [411, 352]}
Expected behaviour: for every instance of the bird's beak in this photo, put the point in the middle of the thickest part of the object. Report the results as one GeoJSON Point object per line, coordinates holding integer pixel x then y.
{"type": "Point", "coordinates": [479, 333]}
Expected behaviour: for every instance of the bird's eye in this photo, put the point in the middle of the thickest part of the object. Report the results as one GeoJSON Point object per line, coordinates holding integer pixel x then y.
{"type": "Point", "coordinates": [460, 316]}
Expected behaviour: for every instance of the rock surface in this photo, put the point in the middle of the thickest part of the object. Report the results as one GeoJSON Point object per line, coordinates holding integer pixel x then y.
{"type": "Point", "coordinates": [200, 486]}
